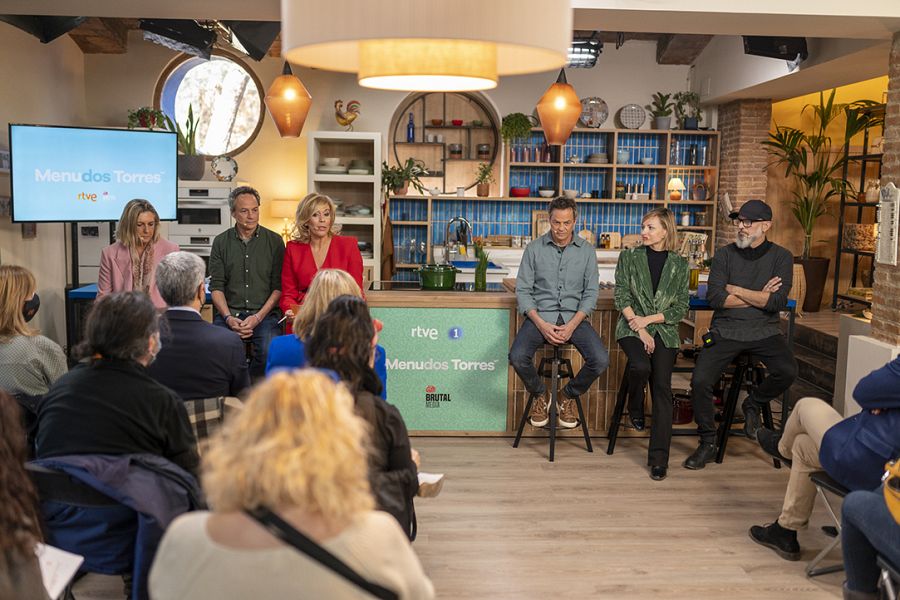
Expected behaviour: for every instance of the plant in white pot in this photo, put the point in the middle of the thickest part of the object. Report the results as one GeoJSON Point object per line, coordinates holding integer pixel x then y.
{"type": "Point", "coordinates": [661, 110]}
{"type": "Point", "coordinates": [815, 163]}
{"type": "Point", "coordinates": [191, 166]}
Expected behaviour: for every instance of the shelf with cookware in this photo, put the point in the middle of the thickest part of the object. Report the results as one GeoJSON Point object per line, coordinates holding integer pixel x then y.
{"type": "Point", "coordinates": [346, 166]}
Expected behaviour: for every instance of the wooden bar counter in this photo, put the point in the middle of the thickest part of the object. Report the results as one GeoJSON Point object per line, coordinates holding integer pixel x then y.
{"type": "Point", "coordinates": [440, 311]}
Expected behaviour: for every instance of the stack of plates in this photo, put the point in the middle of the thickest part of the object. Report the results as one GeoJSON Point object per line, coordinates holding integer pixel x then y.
{"type": "Point", "coordinates": [336, 170]}
{"type": "Point", "coordinates": [597, 159]}
{"type": "Point", "coordinates": [361, 166]}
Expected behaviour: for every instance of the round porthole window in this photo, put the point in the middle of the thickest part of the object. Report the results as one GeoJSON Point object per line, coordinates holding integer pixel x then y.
{"type": "Point", "coordinates": [226, 98]}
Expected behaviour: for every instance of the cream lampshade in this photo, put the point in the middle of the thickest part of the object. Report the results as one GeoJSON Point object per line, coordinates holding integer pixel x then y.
{"type": "Point", "coordinates": [559, 110]}
{"type": "Point", "coordinates": [287, 210]}
{"type": "Point", "coordinates": [288, 102]}
{"type": "Point", "coordinates": [675, 187]}
{"type": "Point", "coordinates": [430, 45]}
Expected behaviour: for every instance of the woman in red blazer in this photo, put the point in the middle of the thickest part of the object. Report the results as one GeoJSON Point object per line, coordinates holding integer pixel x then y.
{"type": "Point", "coordinates": [130, 263]}
{"type": "Point", "coordinates": [315, 246]}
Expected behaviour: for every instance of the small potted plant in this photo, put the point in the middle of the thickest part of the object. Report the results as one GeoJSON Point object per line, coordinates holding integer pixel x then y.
{"type": "Point", "coordinates": [661, 109]}
{"type": "Point", "coordinates": [191, 165]}
{"type": "Point", "coordinates": [484, 178]}
{"type": "Point", "coordinates": [687, 109]}
{"type": "Point", "coordinates": [397, 179]}
{"type": "Point", "coordinates": [147, 118]}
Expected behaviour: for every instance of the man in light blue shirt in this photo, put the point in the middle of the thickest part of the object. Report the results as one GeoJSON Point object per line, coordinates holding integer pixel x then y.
{"type": "Point", "coordinates": [556, 290]}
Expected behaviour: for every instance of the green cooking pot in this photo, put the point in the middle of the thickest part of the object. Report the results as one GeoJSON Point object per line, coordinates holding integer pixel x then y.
{"type": "Point", "coordinates": [438, 277]}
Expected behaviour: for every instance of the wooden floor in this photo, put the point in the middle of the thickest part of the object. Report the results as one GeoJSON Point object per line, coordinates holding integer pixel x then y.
{"type": "Point", "coordinates": [508, 524]}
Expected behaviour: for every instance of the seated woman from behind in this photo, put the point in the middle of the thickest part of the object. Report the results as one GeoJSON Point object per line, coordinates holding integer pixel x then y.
{"type": "Point", "coordinates": [29, 362]}
{"type": "Point", "coordinates": [288, 351]}
{"type": "Point", "coordinates": [343, 340]}
{"type": "Point", "coordinates": [297, 450]}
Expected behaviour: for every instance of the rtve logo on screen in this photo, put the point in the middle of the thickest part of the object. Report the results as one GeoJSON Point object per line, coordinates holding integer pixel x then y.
{"type": "Point", "coordinates": [90, 176]}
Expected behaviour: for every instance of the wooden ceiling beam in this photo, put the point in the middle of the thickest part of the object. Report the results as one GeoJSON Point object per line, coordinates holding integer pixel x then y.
{"type": "Point", "coordinates": [680, 49]}
{"type": "Point", "coordinates": [98, 35]}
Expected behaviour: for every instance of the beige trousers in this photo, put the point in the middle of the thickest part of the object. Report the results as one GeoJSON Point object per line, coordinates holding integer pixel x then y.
{"type": "Point", "coordinates": [800, 442]}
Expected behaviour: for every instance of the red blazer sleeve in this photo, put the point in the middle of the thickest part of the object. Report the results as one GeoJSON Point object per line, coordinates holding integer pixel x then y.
{"type": "Point", "coordinates": [351, 259]}
{"type": "Point", "coordinates": [290, 277]}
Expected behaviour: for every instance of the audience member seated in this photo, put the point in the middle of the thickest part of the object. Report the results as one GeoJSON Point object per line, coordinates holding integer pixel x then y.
{"type": "Point", "coordinates": [852, 451]}
{"type": "Point", "coordinates": [287, 351]}
{"type": "Point", "coordinates": [29, 362]}
{"type": "Point", "coordinates": [108, 403]}
{"type": "Point", "coordinates": [197, 359]}
{"type": "Point", "coordinates": [20, 574]}
{"type": "Point", "coordinates": [298, 451]}
{"type": "Point", "coordinates": [869, 528]}
{"type": "Point", "coordinates": [343, 340]}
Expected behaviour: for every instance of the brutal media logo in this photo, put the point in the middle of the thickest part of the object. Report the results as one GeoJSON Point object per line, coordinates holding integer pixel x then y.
{"type": "Point", "coordinates": [433, 399]}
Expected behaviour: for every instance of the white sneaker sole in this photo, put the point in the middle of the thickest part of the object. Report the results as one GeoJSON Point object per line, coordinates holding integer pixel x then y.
{"type": "Point", "coordinates": [538, 423]}
{"type": "Point", "coordinates": [568, 424]}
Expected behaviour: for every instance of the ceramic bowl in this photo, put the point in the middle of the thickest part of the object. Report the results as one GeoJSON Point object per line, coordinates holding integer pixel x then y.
{"type": "Point", "coordinates": [571, 194]}
{"type": "Point", "coordinates": [437, 122]}
{"type": "Point", "coordinates": [547, 193]}
{"type": "Point", "coordinates": [331, 161]}
{"type": "Point", "coordinates": [520, 192]}
{"type": "Point", "coordinates": [457, 122]}
{"type": "Point", "coordinates": [647, 160]}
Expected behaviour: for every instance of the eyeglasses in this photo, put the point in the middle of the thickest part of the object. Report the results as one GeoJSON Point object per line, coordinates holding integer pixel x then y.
{"type": "Point", "coordinates": [745, 223]}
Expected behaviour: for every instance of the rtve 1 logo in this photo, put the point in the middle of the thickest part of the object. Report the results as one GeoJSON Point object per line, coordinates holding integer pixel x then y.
{"type": "Point", "coordinates": [454, 333]}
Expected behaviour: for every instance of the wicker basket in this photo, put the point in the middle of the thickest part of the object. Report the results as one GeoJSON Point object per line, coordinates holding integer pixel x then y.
{"type": "Point", "coordinates": [860, 237]}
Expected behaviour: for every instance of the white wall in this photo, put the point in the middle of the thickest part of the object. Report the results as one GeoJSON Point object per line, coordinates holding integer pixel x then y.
{"type": "Point", "coordinates": [43, 83]}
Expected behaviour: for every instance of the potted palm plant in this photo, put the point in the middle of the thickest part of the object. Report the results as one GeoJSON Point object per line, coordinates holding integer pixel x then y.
{"type": "Point", "coordinates": [687, 109]}
{"type": "Point", "coordinates": [191, 165]}
{"type": "Point", "coordinates": [397, 179]}
{"type": "Point", "coordinates": [661, 109]}
{"type": "Point", "coordinates": [809, 158]}
{"type": "Point", "coordinates": [484, 178]}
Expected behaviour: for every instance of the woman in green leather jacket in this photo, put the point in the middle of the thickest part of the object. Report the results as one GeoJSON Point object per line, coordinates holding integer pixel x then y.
{"type": "Point", "coordinates": [652, 298]}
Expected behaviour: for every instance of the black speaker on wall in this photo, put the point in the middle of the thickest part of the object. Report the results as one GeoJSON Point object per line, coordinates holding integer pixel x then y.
{"type": "Point", "coordinates": [785, 48]}
{"type": "Point", "coordinates": [45, 29]}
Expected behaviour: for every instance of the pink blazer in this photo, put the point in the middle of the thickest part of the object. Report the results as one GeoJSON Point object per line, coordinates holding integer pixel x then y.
{"type": "Point", "coordinates": [115, 269]}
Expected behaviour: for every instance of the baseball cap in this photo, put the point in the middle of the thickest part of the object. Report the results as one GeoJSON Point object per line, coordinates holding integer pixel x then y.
{"type": "Point", "coordinates": [754, 210]}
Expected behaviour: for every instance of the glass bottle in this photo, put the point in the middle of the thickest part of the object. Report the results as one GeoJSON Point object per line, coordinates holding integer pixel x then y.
{"type": "Point", "coordinates": [411, 129]}
{"type": "Point", "coordinates": [694, 280]}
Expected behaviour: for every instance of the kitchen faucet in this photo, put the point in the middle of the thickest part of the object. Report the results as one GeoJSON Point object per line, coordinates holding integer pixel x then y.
{"type": "Point", "coordinates": [463, 231]}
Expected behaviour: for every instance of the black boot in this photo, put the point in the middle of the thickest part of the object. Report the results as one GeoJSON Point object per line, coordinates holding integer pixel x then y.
{"type": "Point", "coordinates": [705, 452]}
{"type": "Point", "coordinates": [768, 441]}
{"type": "Point", "coordinates": [782, 541]}
{"type": "Point", "coordinates": [751, 417]}
{"type": "Point", "coordinates": [855, 595]}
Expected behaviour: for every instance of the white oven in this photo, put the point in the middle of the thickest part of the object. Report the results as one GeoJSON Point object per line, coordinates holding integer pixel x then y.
{"type": "Point", "coordinates": [202, 212]}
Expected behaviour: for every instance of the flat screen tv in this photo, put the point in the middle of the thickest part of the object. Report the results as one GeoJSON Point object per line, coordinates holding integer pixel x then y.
{"type": "Point", "coordinates": [64, 174]}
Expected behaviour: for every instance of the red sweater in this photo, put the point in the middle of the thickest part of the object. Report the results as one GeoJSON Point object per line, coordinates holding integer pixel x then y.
{"type": "Point", "coordinates": [300, 267]}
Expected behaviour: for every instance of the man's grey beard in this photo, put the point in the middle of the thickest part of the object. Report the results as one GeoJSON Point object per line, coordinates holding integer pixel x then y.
{"type": "Point", "coordinates": [746, 241]}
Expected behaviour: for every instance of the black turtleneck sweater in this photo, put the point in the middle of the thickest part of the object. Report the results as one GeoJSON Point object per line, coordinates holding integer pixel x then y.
{"type": "Point", "coordinates": [749, 268]}
{"type": "Point", "coordinates": [656, 260]}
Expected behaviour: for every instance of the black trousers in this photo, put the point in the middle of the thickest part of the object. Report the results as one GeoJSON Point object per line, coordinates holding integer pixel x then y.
{"type": "Point", "coordinates": [656, 368]}
{"type": "Point", "coordinates": [711, 363]}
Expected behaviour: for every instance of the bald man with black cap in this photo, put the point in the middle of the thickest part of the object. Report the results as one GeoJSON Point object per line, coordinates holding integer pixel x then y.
{"type": "Point", "coordinates": [748, 287]}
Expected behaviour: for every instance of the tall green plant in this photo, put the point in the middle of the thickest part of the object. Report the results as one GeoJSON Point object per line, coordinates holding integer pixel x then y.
{"type": "Point", "coordinates": [187, 137]}
{"type": "Point", "coordinates": [811, 160]}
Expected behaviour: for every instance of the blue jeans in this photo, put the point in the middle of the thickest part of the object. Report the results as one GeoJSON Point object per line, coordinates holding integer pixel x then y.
{"type": "Point", "coordinates": [585, 340]}
{"type": "Point", "coordinates": [262, 335]}
{"type": "Point", "coordinates": [867, 529]}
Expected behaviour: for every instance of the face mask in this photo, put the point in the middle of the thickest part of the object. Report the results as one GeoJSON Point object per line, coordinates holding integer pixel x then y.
{"type": "Point", "coordinates": [30, 307]}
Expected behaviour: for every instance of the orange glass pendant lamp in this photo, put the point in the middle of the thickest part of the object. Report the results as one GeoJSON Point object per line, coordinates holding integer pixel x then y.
{"type": "Point", "coordinates": [288, 102]}
{"type": "Point", "coordinates": [559, 109]}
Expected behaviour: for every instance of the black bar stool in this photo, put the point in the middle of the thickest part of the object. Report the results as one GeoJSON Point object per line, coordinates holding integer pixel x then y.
{"type": "Point", "coordinates": [555, 367]}
{"type": "Point", "coordinates": [745, 373]}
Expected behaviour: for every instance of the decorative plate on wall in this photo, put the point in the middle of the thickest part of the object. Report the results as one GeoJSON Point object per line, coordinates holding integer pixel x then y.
{"type": "Point", "coordinates": [224, 168]}
{"type": "Point", "coordinates": [594, 112]}
{"type": "Point", "coordinates": [632, 116]}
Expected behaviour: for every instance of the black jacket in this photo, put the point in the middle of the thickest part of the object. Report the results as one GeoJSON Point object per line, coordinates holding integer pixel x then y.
{"type": "Point", "coordinates": [114, 407]}
{"type": "Point", "coordinates": [199, 360]}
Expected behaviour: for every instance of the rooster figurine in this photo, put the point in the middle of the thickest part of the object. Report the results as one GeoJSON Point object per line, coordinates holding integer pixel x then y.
{"type": "Point", "coordinates": [347, 117]}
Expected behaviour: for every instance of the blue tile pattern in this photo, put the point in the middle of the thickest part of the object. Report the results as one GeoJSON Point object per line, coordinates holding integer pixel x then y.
{"type": "Point", "coordinates": [640, 146]}
{"type": "Point", "coordinates": [680, 149]}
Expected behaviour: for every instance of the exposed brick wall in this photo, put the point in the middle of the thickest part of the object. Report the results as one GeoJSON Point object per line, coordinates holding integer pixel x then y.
{"type": "Point", "coordinates": [744, 125]}
{"type": "Point", "coordinates": [886, 289]}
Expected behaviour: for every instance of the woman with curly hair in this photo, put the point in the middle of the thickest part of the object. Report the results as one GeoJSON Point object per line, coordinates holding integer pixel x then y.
{"type": "Point", "coordinates": [315, 246]}
{"type": "Point", "coordinates": [297, 450]}
{"type": "Point", "coordinates": [20, 574]}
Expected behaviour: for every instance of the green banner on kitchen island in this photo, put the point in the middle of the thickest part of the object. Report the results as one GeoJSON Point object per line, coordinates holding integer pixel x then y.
{"type": "Point", "coordinates": [447, 367]}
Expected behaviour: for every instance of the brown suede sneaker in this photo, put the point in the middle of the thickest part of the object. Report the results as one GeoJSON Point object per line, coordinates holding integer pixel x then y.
{"type": "Point", "coordinates": [568, 413]}
{"type": "Point", "coordinates": [540, 411]}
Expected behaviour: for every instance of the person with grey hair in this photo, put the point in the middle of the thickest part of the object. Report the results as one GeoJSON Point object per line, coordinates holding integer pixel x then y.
{"type": "Point", "coordinates": [197, 360]}
{"type": "Point", "coordinates": [245, 277]}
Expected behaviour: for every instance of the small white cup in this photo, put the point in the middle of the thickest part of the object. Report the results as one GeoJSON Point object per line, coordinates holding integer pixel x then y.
{"type": "Point", "coordinates": [460, 191]}
{"type": "Point", "coordinates": [331, 161]}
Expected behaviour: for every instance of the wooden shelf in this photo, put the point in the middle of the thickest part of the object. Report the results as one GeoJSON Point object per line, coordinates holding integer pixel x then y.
{"type": "Point", "coordinates": [639, 131]}
{"type": "Point", "coordinates": [460, 127]}
{"type": "Point", "coordinates": [690, 202]}
{"type": "Point", "coordinates": [408, 265]}
{"type": "Point", "coordinates": [4, 171]}
{"type": "Point", "coordinates": [691, 168]}
{"type": "Point", "coordinates": [582, 165]}
{"type": "Point", "coordinates": [343, 220]}
{"type": "Point", "coordinates": [535, 164]}
{"type": "Point", "coordinates": [322, 177]}
{"type": "Point", "coordinates": [419, 144]}
{"type": "Point", "coordinates": [640, 166]}
{"type": "Point", "coordinates": [411, 223]}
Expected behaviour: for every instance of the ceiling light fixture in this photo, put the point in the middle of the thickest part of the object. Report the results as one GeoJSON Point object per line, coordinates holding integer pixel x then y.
{"type": "Point", "coordinates": [584, 51]}
{"type": "Point", "coordinates": [411, 45]}
{"type": "Point", "coordinates": [559, 109]}
{"type": "Point", "coordinates": [288, 102]}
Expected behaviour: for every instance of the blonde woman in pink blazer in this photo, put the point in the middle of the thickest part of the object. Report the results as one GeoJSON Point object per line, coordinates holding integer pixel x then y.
{"type": "Point", "coordinates": [130, 263]}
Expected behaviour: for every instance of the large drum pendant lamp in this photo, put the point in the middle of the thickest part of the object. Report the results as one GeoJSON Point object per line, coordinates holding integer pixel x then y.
{"type": "Point", "coordinates": [428, 45]}
{"type": "Point", "coordinates": [559, 109]}
{"type": "Point", "coordinates": [288, 102]}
